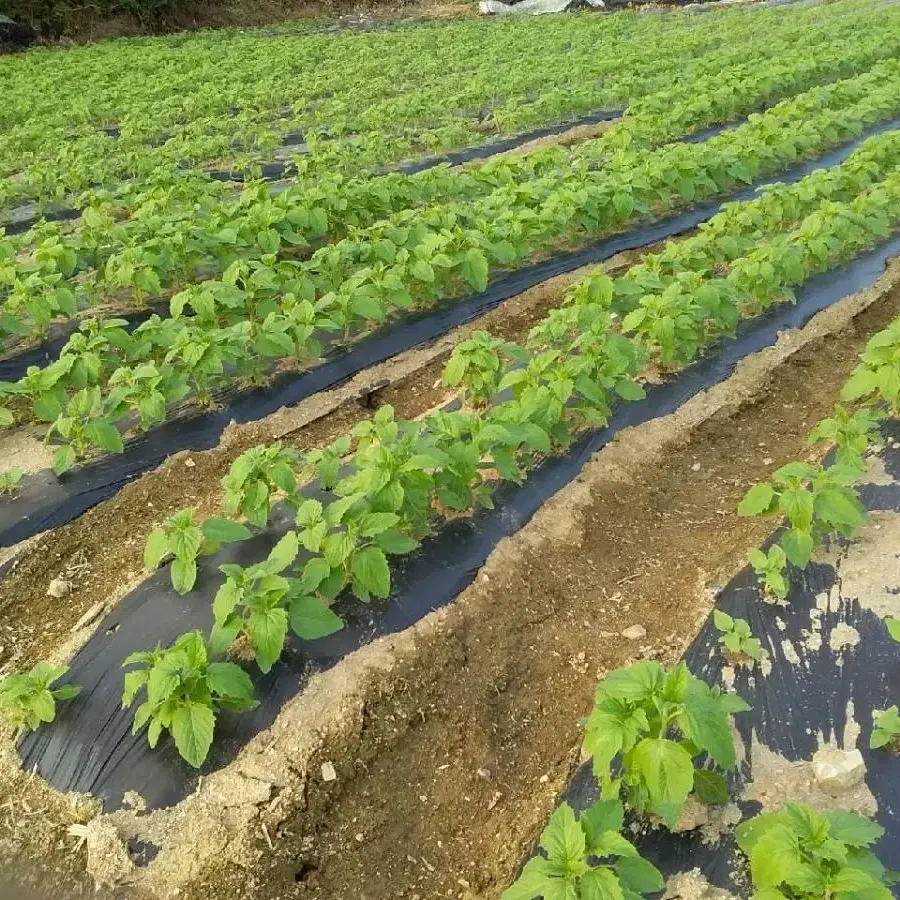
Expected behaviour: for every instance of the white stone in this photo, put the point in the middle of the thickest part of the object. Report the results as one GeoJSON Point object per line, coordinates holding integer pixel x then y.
{"type": "Point", "coordinates": [634, 632]}
{"type": "Point", "coordinates": [59, 588]}
{"type": "Point", "coordinates": [328, 772]}
{"type": "Point", "coordinates": [838, 770]}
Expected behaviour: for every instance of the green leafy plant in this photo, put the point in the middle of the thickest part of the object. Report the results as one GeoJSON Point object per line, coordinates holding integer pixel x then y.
{"type": "Point", "coordinates": [886, 724]}
{"type": "Point", "coordinates": [10, 479]}
{"type": "Point", "coordinates": [83, 424]}
{"type": "Point", "coordinates": [799, 854]}
{"type": "Point", "coordinates": [29, 700]}
{"type": "Point", "coordinates": [658, 725]}
{"type": "Point", "coordinates": [586, 857]}
{"type": "Point", "coordinates": [885, 729]}
{"type": "Point", "coordinates": [736, 636]}
{"type": "Point", "coordinates": [255, 477]}
{"type": "Point", "coordinates": [477, 365]}
{"type": "Point", "coordinates": [877, 377]}
{"type": "Point", "coordinates": [184, 690]}
{"type": "Point", "coordinates": [816, 500]}
{"type": "Point", "coordinates": [259, 602]}
{"type": "Point", "coordinates": [850, 433]}
{"type": "Point", "coordinates": [770, 567]}
{"type": "Point", "coordinates": [183, 539]}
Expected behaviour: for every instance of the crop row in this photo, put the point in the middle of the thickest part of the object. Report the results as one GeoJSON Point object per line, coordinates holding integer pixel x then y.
{"type": "Point", "coordinates": [157, 251]}
{"type": "Point", "coordinates": [390, 481]}
{"type": "Point", "coordinates": [179, 213]}
{"type": "Point", "coordinates": [259, 313]}
{"type": "Point", "coordinates": [429, 99]}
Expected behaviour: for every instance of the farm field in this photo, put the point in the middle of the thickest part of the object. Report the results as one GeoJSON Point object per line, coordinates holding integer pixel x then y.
{"type": "Point", "coordinates": [454, 459]}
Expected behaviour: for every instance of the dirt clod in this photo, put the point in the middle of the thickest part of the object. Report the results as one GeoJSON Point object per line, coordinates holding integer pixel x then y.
{"type": "Point", "coordinates": [59, 588]}
{"type": "Point", "coordinates": [836, 771]}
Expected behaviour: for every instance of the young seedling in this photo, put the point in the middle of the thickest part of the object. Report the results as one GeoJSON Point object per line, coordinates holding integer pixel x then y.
{"type": "Point", "coordinates": [30, 699]}
{"type": "Point", "coordinates": [184, 690]}
{"type": "Point", "coordinates": [181, 538]}
{"type": "Point", "coordinates": [886, 729]}
{"type": "Point", "coordinates": [255, 477]}
{"type": "Point", "coordinates": [477, 365]}
{"type": "Point", "coordinates": [658, 724]}
{"type": "Point", "coordinates": [260, 602]}
{"type": "Point", "coordinates": [736, 637]}
{"type": "Point", "coordinates": [571, 866]}
{"type": "Point", "coordinates": [875, 378]}
{"type": "Point", "coordinates": [83, 424]}
{"type": "Point", "coordinates": [816, 500]}
{"type": "Point", "coordinates": [769, 568]}
{"type": "Point", "coordinates": [886, 724]}
{"type": "Point", "coordinates": [10, 479]}
{"type": "Point", "coordinates": [850, 434]}
{"type": "Point", "coordinates": [800, 854]}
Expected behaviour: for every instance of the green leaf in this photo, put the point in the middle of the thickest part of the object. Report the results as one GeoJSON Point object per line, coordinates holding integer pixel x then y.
{"type": "Point", "coordinates": [564, 841]}
{"type": "Point", "coordinates": [105, 436]}
{"type": "Point", "coordinates": [757, 500]}
{"type": "Point", "coordinates": [63, 459]}
{"type": "Point", "coordinates": [705, 723]}
{"type": "Point", "coordinates": [666, 769]}
{"type": "Point", "coordinates": [373, 524]}
{"type": "Point", "coordinates": [798, 547]}
{"type": "Point", "coordinates": [635, 683]}
{"type": "Point", "coordinates": [156, 549]}
{"type": "Point", "coordinates": [283, 553]}
{"type": "Point", "coordinates": [600, 884]}
{"type": "Point", "coordinates": [268, 630]}
{"type": "Point", "coordinates": [229, 680]}
{"type": "Point", "coordinates": [475, 269]}
{"type": "Point", "coordinates": [422, 271]}
{"type": "Point", "coordinates": [314, 573]}
{"type": "Point", "coordinates": [396, 542]}
{"type": "Point", "coordinates": [722, 620]}
{"type": "Point", "coordinates": [851, 828]}
{"type": "Point", "coordinates": [602, 816]}
{"type": "Point", "coordinates": [537, 880]}
{"type": "Point", "coordinates": [192, 728]}
{"type": "Point", "coordinates": [227, 598]}
{"type": "Point", "coordinates": [710, 787]}
{"type": "Point", "coordinates": [312, 619]}
{"type": "Point", "coordinates": [43, 705]}
{"type": "Point", "coordinates": [184, 574]}
{"type": "Point", "coordinates": [775, 855]}
{"type": "Point", "coordinates": [224, 531]}
{"type": "Point", "coordinates": [639, 876]}
{"type": "Point", "coordinates": [370, 568]}
{"type": "Point", "coordinates": [893, 627]}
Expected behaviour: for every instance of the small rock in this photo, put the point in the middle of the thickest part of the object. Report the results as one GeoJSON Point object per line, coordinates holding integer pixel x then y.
{"type": "Point", "coordinates": [767, 461]}
{"type": "Point", "coordinates": [359, 837]}
{"type": "Point", "coordinates": [59, 588]}
{"type": "Point", "coordinates": [189, 463]}
{"type": "Point", "coordinates": [484, 773]}
{"type": "Point", "coordinates": [328, 772]}
{"type": "Point", "coordinates": [544, 779]}
{"type": "Point", "coordinates": [838, 770]}
{"type": "Point", "coordinates": [695, 467]}
{"type": "Point", "coordinates": [634, 632]}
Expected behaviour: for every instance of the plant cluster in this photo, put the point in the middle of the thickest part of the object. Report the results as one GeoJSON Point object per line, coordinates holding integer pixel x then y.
{"type": "Point", "coordinates": [29, 700]}
{"type": "Point", "coordinates": [801, 854]}
{"type": "Point", "coordinates": [262, 311]}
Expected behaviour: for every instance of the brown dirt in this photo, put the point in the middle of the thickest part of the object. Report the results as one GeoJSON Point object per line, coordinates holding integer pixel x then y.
{"type": "Point", "coordinates": [462, 754]}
